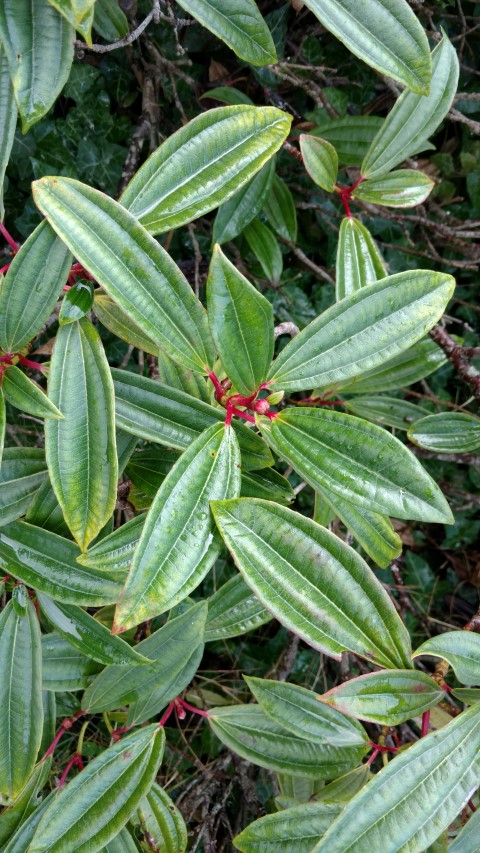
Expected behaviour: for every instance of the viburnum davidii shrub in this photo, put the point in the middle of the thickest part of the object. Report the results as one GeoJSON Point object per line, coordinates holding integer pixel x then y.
{"type": "Point", "coordinates": [103, 610]}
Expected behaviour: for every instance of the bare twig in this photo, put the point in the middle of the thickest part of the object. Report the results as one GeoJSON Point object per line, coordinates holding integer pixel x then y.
{"type": "Point", "coordinates": [153, 15]}
{"type": "Point", "coordinates": [455, 355]}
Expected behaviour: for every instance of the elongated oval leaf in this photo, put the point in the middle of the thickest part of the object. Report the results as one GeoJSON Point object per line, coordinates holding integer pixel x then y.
{"type": "Point", "coordinates": [280, 210]}
{"type": "Point", "coordinates": [47, 563]}
{"type": "Point", "coordinates": [115, 551]}
{"type": "Point", "coordinates": [467, 841]}
{"type": "Point", "coordinates": [320, 160]}
{"type": "Point", "coordinates": [94, 807]}
{"type": "Point", "coordinates": [387, 36]}
{"type": "Point", "coordinates": [239, 24]}
{"type": "Point", "coordinates": [387, 698]}
{"type": "Point", "coordinates": [264, 246]}
{"type": "Point", "coordinates": [32, 286]}
{"type": "Point", "coordinates": [76, 302]}
{"type": "Point", "coordinates": [122, 843]}
{"type": "Point", "coordinates": [3, 423]}
{"type": "Point", "coordinates": [80, 449]}
{"type": "Point", "coordinates": [39, 48]}
{"type": "Point", "coordinates": [249, 732]}
{"type": "Point", "coordinates": [410, 366]}
{"type": "Point", "coordinates": [414, 117]}
{"type": "Point", "coordinates": [20, 695]}
{"type": "Point", "coordinates": [358, 461]}
{"type": "Point", "coordinates": [404, 188]}
{"type": "Point", "coordinates": [412, 800]}
{"type": "Point", "coordinates": [351, 136]}
{"type": "Point", "coordinates": [203, 164]}
{"type": "Point", "coordinates": [461, 649]}
{"type": "Point", "coordinates": [179, 544]}
{"type": "Point", "coordinates": [299, 711]}
{"type": "Point", "coordinates": [22, 472]}
{"type": "Point", "coordinates": [297, 828]}
{"type": "Point", "coordinates": [233, 610]}
{"type": "Point", "coordinates": [359, 261]}
{"type": "Point", "coordinates": [241, 320]}
{"type": "Point", "coordinates": [148, 468]}
{"type": "Point", "coordinates": [362, 331]}
{"type": "Point", "coordinates": [8, 121]}
{"type": "Point", "coordinates": [176, 376]}
{"type": "Point", "coordinates": [447, 432]}
{"type": "Point", "coordinates": [312, 582]}
{"type": "Point", "coordinates": [120, 324]}
{"type": "Point", "coordinates": [78, 13]}
{"type": "Point", "coordinates": [44, 511]}
{"type": "Point", "coordinates": [109, 20]}
{"type": "Point", "coordinates": [65, 668]}
{"type": "Point", "coordinates": [25, 832]}
{"type": "Point", "coordinates": [26, 395]}
{"type": "Point", "coordinates": [267, 484]}
{"type": "Point", "coordinates": [386, 411]}
{"type": "Point", "coordinates": [19, 810]}
{"type": "Point", "coordinates": [131, 266]}
{"type": "Point", "coordinates": [165, 825]}
{"type": "Point", "coordinates": [236, 213]}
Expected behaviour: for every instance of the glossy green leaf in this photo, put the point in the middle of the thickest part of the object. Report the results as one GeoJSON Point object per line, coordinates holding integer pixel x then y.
{"type": "Point", "coordinates": [76, 302]}
{"type": "Point", "coordinates": [239, 24]}
{"type": "Point", "coordinates": [233, 610]}
{"type": "Point", "coordinates": [362, 331]}
{"type": "Point", "coordinates": [96, 804]}
{"type": "Point", "coordinates": [468, 839]}
{"type": "Point", "coordinates": [264, 246]}
{"type": "Point", "coordinates": [447, 432]}
{"type": "Point", "coordinates": [410, 366]}
{"type": "Point", "coordinates": [241, 320]}
{"type": "Point", "coordinates": [8, 121]}
{"type": "Point", "coordinates": [25, 832]}
{"type": "Point", "coordinates": [280, 210]}
{"type": "Point", "coordinates": [149, 466]}
{"type": "Point", "coordinates": [179, 543]}
{"type": "Point", "coordinates": [155, 412]}
{"type": "Point", "coordinates": [203, 164]}
{"type": "Point", "coordinates": [120, 324]}
{"type": "Point", "coordinates": [313, 583]}
{"type": "Point", "coordinates": [386, 698]}
{"type": "Point", "coordinates": [468, 695]}
{"type": "Point", "coordinates": [122, 843]}
{"type": "Point", "coordinates": [267, 484]}
{"type": "Point", "coordinates": [176, 376]}
{"type": "Point", "coordinates": [462, 651]}
{"type": "Point", "coordinates": [386, 411]}
{"type": "Point", "coordinates": [65, 668]}
{"type": "Point", "coordinates": [87, 634]}
{"type": "Point", "coordinates": [359, 261]}
{"type": "Point", "coordinates": [26, 395]}
{"type": "Point", "coordinates": [295, 829]}
{"type": "Point", "coordinates": [235, 214]}
{"type": "Point", "coordinates": [359, 461]}
{"type": "Point", "coordinates": [33, 283]}
{"type": "Point", "coordinates": [20, 694]}
{"type": "Point", "coordinates": [299, 711]}
{"type": "Point", "coordinates": [320, 160]}
{"type": "Point", "coordinates": [109, 21]}
{"type": "Point", "coordinates": [130, 265]}
{"type": "Point", "coordinates": [177, 650]}
{"type": "Point", "coordinates": [45, 511]}
{"type": "Point", "coordinates": [20, 809]}
{"type": "Point", "coordinates": [351, 136]}
{"type": "Point", "coordinates": [411, 801]}
{"type": "Point", "coordinates": [78, 13]}
{"type": "Point", "coordinates": [227, 95]}
{"type": "Point", "coordinates": [115, 551]}
{"type": "Point", "coordinates": [342, 790]}
{"type": "Point", "coordinates": [165, 825]}
{"type": "Point", "coordinates": [3, 423]}
{"type": "Point", "coordinates": [47, 563]}
{"type": "Point", "coordinates": [80, 449]}
{"type": "Point", "coordinates": [372, 530]}
{"type": "Point", "coordinates": [388, 36]}
{"type": "Point", "coordinates": [403, 188]}
{"type": "Point", "coordinates": [39, 49]}
{"type": "Point", "coordinates": [295, 790]}
{"type": "Point", "coordinates": [22, 472]}
{"type": "Point", "coordinates": [414, 117]}
{"type": "Point", "coordinates": [248, 731]}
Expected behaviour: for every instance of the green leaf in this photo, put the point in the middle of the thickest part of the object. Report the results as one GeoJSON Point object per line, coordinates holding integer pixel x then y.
{"type": "Point", "coordinates": [3, 423]}
{"type": "Point", "coordinates": [96, 804]}
{"type": "Point", "coordinates": [447, 432]}
{"type": "Point", "coordinates": [179, 543]}
{"type": "Point", "coordinates": [203, 164]}
{"type": "Point", "coordinates": [120, 324]}
{"type": "Point", "coordinates": [388, 36]}
{"type": "Point", "coordinates": [410, 366]}
{"type": "Point", "coordinates": [19, 810]}
{"type": "Point", "coordinates": [109, 20]}
{"type": "Point", "coordinates": [359, 261]}
{"type": "Point", "coordinates": [176, 376]}
{"type": "Point", "coordinates": [265, 247]}
{"type": "Point", "coordinates": [239, 24]}
{"type": "Point", "coordinates": [8, 121]}
{"type": "Point", "coordinates": [295, 829]}
{"type": "Point", "coordinates": [87, 634]}
{"type": "Point", "coordinates": [467, 841]}
{"type": "Point", "coordinates": [155, 412]}
{"type": "Point", "coordinates": [63, 668]}
{"type": "Point", "coordinates": [414, 117]}
{"type": "Point", "coordinates": [39, 49]}
{"type": "Point", "coordinates": [248, 731]}
{"type": "Point", "coordinates": [280, 210]}
{"type": "Point", "coordinates": [80, 449]}
{"type": "Point", "coordinates": [233, 610]}
{"type": "Point", "coordinates": [76, 302]}
{"type": "Point", "coordinates": [32, 286]}
{"type": "Point", "coordinates": [462, 651]}
{"type": "Point", "coordinates": [299, 711]}
{"type": "Point", "coordinates": [313, 583]}
{"type": "Point", "coordinates": [362, 331]}
{"type": "Point", "coordinates": [359, 461]}
{"type": "Point", "coordinates": [115, 551]}
{"type": "Point", "coordinates": [241, 320]}
{"type": "Point", "coordinates": [177, 650]}
{"type": "Point", "coordinates": [122, 843]}
{"type": "Point", "coordinates": [267, 484]}
{"type": "Point", "coordinates": [469, 695]}
{"type": "Point", "coordinates": [47, 563]}
{"type": "Point", "coordinates": [165, 825]}
{"type": "Point", "coordinates": [22, 472]}
{"type": "Point", "coordinates": [148, 468]}
{"type": "Point", "coordinates": [386, 411]}
{"type": "Point", "coordinates": [235, 214]}
{"type": "Point", "coordinates": [351, 136]}
{"type": "Point", "coordinates": [44, 511]}
{"type": "Point", "coordinates": [386, 698]}
{"type": "Point", "coordinates": [26, 395]}
{"type": "Point", "coordinates": [25, 832]}
{"type": "Point", "coordinates": [345, 787]}
{"type": "Point", "coordinates": [20, 694]}
{"type": "Point", "coordinates": [404, 188]}
{"type": "Point", "coordinates": [412, 800]}
{"type": "Point", "coordinates": [79, 14]}
{"type": "Point", "coordinates": [130, 265]}
{"type": "Point", "coordinates": [227, 95]}
{"type": "Point", "coordinates": [320, 160]}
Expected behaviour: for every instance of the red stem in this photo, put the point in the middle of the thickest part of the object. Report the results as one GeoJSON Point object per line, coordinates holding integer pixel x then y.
{"type": "Point", "coordinates": [241, 414]}
{"type": "Point", "coordinates": [373, 756]}
{"type": "Point", "coordinates": [75, 761]}
{"type": "Point", "coordinates": [11, 242]}
{"type": "Point", "coordinates": [192, 708]}
{"type": "Point", "coordinates": [66, 724]}
{"type": "Point", "coordinates": [425, 723]}
{"type": "Point", "coordinates": [34, 364]}
{"type": "Point", "coordinates": [167, 714]}
{"type": "Point", "coordinates": [5, 268]}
